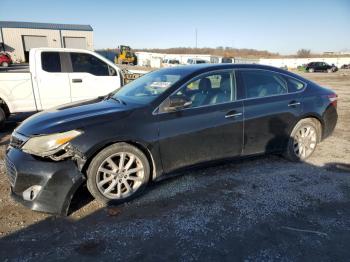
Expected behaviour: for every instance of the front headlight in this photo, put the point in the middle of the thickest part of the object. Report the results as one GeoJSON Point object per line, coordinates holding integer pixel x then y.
{"type": "Point", "coordinates": [47, 145]}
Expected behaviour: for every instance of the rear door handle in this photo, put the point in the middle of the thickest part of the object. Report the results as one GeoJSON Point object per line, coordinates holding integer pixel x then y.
{"type": "Point", "coordinates": [294, 103]}
{"type": "Point", "coordinates": [233, 114]}
{"type": "Point", "coordinates": [77, 80]}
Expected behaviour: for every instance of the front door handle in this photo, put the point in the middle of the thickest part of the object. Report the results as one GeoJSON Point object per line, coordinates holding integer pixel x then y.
{"type": "Point", "coordinates": [294, 103]}
{"type": "Point", "coordinates": [77, 80]}
{"type": "Point", "coordinates": [233, 114]}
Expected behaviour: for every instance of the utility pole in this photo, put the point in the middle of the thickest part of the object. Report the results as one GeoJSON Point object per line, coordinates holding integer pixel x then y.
{"type": "Point", "coordinates": [196, 32]}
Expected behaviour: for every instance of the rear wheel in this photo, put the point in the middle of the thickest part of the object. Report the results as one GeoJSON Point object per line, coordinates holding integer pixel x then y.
{"type": "Point", "coordinates": [329, 70]}
{"type": "Point", "coordinates": [311, 70]}
{"type": "Point", "coordinates": [2, 117]}
{"type": "Point", "coordinates": [118, 173]}
{"type": "Point", "coordinates": [303, 140]}
{"type": "Point", "coordinates": [4, 64]}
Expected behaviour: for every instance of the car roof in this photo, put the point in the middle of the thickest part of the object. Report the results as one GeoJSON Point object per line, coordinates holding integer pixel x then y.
{"type": "Point", "coordinates": [210, 67]}
{"type": "Point", "coordinates": [203, 68]}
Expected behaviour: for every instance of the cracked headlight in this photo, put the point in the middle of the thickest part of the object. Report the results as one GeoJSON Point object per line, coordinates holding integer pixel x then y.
{"type": "Point", "coordinates": [47, 145]}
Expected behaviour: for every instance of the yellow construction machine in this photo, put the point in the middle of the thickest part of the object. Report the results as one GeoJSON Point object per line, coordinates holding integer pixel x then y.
{"type": "Point", "coordinates": [125, 56]}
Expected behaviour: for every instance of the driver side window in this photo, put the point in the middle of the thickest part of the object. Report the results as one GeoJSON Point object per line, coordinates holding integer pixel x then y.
{"type": "Point", "coordinates": [211, 89]}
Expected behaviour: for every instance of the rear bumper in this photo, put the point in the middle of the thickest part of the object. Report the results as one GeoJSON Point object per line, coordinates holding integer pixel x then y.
{"type": "Point", "coordinates": [330, 119]}
{"type": "Point", "coordinates": [57, 181]}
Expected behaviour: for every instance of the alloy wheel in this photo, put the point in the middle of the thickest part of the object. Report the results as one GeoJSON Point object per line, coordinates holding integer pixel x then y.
{"type": "Point", "coordinates": [305, 141]}
{"type": "Point", "coordinates": [120, 175]}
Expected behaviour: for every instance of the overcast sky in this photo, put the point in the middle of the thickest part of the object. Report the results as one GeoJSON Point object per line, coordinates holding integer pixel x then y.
{"type": "Point", "coordinates": [274, 25]}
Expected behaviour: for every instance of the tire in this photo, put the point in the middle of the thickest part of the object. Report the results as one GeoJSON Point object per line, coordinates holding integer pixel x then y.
{"type": "Point", "coordinates": [102, 169]}
{"type": "Point", "coordinates": [329, 70]}
{"type": "Point", "coordinates": [2, 117]}
{"type": "Point", "coordinates": [4, 64]}
{"type": "Point", "coordinates": [306, 134]}
{"type": "Point", "coordinates": [311, 70]}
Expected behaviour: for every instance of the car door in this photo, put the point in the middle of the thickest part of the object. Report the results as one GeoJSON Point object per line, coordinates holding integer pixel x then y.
{"type": "Point", "coordinates": [271, 109]}
{"type": "Point", "coordinates": [325, 66]}
{"type": "Point", "coordinates": [52, 80]}
{"type": "Point", "coordinates": [91, 77]}
{"type": "Point", "coordinates": [211, 128]}
{"type": "Point", "coordinates": [321, 66]}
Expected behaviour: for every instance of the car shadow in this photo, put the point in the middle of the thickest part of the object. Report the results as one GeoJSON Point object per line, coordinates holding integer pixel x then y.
{"type": "Point", "coordinates": [172, 228]}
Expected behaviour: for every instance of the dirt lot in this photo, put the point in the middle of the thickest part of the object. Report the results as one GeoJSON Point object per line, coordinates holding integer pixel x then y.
{"type": "Point", "coordinates": [264, 208]}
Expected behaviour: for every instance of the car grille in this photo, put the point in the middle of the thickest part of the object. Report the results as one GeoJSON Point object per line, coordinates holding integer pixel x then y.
{"type": "Point", "coordinates": [17, 140]}
{"type": "Point", "coordinates": [11, 171]}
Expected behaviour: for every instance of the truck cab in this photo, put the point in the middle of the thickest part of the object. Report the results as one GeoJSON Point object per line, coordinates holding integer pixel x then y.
{"type": "Point", "coordinates": [57, 76]}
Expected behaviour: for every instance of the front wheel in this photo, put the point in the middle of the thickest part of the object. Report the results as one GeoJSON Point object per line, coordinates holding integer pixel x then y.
{"type": "Point", "coordinates": [4, 64]}
{"type": "Point", "coordinates": [118, 173]}
{"type": "Point", "coordinates": [303, 140]}
{"type": "Point", "coordinates": [311, 70]}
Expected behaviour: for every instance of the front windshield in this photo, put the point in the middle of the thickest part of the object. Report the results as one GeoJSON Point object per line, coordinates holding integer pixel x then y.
{"type": "Point", "coordinates": [148, 87]}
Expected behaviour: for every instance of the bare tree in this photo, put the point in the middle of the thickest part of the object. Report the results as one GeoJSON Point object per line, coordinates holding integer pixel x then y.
{"type": "Point", "coordinates": [304, 53]}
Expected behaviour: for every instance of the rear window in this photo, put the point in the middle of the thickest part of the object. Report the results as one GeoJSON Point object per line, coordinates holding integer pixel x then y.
{"type": "Point", "coordinates": [50, 62]}
{"type": "Point", "coordinates": [294, 85]}
{"type": "Point", "coordinates": [260, 83]}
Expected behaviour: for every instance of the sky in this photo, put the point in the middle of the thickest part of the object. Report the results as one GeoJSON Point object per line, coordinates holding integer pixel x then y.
{"type": "Point", "coordinates": [275, 25]}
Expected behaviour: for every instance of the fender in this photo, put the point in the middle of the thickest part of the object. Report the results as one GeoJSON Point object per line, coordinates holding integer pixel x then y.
{"type": "Point", "coordinates": [152, 153]}
{"type": "Point", "coordinates": [5, 100]}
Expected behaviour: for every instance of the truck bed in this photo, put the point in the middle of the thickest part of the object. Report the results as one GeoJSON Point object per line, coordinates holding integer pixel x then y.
{"type": "Point", "coordinates": [15, 68]}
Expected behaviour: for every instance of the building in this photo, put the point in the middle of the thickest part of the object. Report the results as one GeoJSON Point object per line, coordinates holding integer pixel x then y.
{"type": "Point", "coordinates": [17, 38]}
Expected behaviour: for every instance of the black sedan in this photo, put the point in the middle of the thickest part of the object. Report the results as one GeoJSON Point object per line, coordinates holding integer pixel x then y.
{"type": "Point", "coordinates": [320, 67]}
{"type": "Point", "coordinates": [166, 120]}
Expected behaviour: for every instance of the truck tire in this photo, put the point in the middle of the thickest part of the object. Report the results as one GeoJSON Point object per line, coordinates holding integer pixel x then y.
{"type": "Point", "coordinates": [2, 117]}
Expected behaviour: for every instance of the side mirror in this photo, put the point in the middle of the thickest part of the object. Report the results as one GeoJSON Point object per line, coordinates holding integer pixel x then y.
{"type": "Point", "coordinates": [177, 102]}
{"type": "Point", "coordinates": [112, 71]}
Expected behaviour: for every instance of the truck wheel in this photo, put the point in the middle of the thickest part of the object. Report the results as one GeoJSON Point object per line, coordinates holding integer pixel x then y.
{"type": "Point", "coordinates": [2, 117]}
{"type": "Point", "coordinates": [4, 64]}
{"type": "Point", "coordinates": [118, 173]}
{"type": "Point", "coordinates": [311, 70]}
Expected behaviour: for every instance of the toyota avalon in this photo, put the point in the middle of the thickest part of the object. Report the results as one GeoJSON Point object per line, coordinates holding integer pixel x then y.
{"type": "Point", "coordinates": [166, 120]}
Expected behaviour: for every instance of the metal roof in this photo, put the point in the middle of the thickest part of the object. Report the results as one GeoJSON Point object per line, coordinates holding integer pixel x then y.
{"type": "Point", "coordinates": [31, 25]}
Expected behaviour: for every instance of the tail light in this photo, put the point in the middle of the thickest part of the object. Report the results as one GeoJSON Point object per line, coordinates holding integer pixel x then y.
{"type": "Point", "coordinates": [333, 98]}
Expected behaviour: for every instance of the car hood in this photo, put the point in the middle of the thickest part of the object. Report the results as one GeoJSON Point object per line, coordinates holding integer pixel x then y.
{"type": "Point", "coordinates": [73, 116]}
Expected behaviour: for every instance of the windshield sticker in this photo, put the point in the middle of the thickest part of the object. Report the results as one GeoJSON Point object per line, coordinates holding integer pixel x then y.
{"type": "Point", "coordinates": [160, 84]}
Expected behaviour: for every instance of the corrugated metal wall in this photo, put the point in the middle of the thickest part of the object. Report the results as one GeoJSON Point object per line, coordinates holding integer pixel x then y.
{"type": "Point", "coordinates": [87, 34]}
{"type": "Point", "coordinates": [13, 39]}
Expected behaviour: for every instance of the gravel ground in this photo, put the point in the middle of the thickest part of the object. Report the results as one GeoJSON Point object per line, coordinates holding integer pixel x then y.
{"type": "Point", "coordinates": [258, 209]}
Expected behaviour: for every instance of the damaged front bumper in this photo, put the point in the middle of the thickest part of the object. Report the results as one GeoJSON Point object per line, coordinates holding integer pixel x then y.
{"type": "Point", "coordinates": [42, 185]}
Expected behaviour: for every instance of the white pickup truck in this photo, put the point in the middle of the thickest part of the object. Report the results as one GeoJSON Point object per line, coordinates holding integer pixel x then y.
{"type": "Point", "coordinates": [57, 76]}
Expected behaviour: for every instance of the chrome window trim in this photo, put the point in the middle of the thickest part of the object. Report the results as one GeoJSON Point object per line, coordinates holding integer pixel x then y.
{"type": "Point", "coordinates": [237, 100]}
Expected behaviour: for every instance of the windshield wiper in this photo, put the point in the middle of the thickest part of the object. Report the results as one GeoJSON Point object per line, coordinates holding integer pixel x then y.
{"type": "Point", "coordinates": [118, 100]}
{"type": "Point", "coordinates": [106, 97]}
{"type": "Point", "coordinates": [111, 96]}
